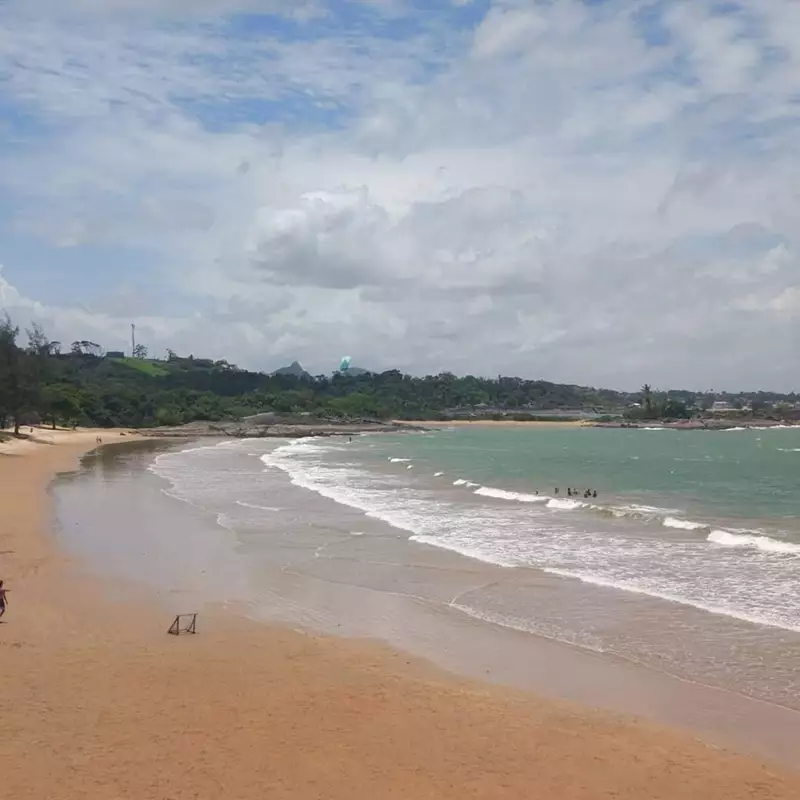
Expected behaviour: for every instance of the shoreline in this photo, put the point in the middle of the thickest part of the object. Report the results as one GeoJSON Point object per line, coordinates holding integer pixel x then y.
{"type": "Point", "coordinates": [495, 423]}
{"type": "Point", "coordinates": [679, 425]}
{"type": "Point", "coordinates": [161, 717]}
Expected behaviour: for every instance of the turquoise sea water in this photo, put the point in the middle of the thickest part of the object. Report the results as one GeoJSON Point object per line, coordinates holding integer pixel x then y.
{"type": "Point", "coordinates": [707, 519]}
{"type": "Point", "coordinates": [751, 474]}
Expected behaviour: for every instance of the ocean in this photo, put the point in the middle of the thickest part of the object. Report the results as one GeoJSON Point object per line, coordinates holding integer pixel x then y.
{"type": "Point", "coordinates": [686, 562]}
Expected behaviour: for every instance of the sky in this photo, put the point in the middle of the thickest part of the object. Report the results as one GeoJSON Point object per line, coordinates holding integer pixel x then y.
{"type": "Point", "coordinates": [601, 192]}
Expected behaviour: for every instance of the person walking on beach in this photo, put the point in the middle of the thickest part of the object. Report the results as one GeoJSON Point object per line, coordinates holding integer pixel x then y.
{"type": "Point", "coordinates": [3, 599]}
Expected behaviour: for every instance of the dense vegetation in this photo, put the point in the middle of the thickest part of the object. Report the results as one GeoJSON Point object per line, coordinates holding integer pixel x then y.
{"type": "Point", "coordinates": [39, 382]}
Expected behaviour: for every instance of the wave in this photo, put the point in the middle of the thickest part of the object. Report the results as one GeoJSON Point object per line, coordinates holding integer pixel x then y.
{"type": "Point", "coordinates": [789, 449]}
{"type": "Point", "coordinates": [464, 482]}
{"type": "Point", "coordinates": [772, 427]}
{"type": "Point", "coordinates": [399, 460]}
{"type": "Point", "coordinates": [502, 494]}
{"type": "Point", "coordinates": [476, 553]}
{"type": "Point", "coordinates": [254, 505]}
{"type": "Point", "coordinates": [637, 510]}
{"type": "Point", "coordinates": [565, 505]}
{"type": "Point", "coordinates": [763, 543]}
{"type": "Point", "coordinates": [740, 584]}
{"type": "Point", "coordinates": [730, 430]}
{"type": "Point", "coordinates": [534, 626]}
{"type": "Point", "coordinates": [655, 428]}
{"type": "Point", "coordinates": [633, 510]}
{"type": "Point", "coordinates": [438, 474]}
{"type": "Point", "coordinates": [651, 591]}
{"type": "Point", "coordinates": [683, 524]}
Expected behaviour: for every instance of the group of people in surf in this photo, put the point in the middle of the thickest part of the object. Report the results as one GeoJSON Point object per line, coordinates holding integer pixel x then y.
{"type": "Point", "coordinates": [577, 492]}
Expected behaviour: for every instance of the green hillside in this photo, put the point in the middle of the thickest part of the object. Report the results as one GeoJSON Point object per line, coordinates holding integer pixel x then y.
{"type": "Point", "coordinates": [39, 382]}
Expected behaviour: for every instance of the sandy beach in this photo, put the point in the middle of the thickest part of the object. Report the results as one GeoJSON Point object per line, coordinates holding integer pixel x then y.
{"type": "Point", "coordinates": [96, 701]}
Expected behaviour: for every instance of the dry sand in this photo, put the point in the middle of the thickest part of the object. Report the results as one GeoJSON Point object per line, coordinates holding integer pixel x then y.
{"type": "Point", "coordinates": [96, 701]}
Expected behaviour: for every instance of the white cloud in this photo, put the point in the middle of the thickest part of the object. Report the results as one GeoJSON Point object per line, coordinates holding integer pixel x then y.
{"type": "Point", "coordinates": [549, 194]}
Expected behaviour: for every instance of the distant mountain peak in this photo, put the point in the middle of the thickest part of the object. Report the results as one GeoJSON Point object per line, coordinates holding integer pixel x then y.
{"type": "Point", "coordinates": [295, 369]}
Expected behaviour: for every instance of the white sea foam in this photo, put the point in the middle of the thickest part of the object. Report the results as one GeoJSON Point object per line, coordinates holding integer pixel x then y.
{"type": "Point", "coordinates": [634, 510]}
{"type": "Point", "coordinates": [764, 543]}
{"type": "Point", "coordinates": [655, 428]}
{"type": "Point", "coordinates": [565, 505]}
{"type": "Point", "coordinates": [460, 482]}
{"type": "Point", "coordinates": [410, 466]}
{"type": "Point", "coordinates": [682, 524]}
{"type": "Point", "coordinates": [256, 506]}
{"type": "Point", "coordinates": [535, 626]}
{"type": "Point", "coordinates": [470, 551]}
{"type": "Point", "coordinates": [399, 460]}
{"type": "Point", "coordinates": [639, 511]}
{"type": "Point", "coordinates": [636, 587]}
{"type": "Point", "coordinates": [789, 449]}
{"type": "Point", "coordinates": [731, 430]}
{"type": "Point", "coordinates": [519, 497]}
{"type": "Point", "coordinates": [438, 474]}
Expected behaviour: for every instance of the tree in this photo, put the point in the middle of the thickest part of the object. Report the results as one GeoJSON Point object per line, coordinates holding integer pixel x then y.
{"type": "Point", "coordinates": [34, 372]}
{"type": "Point", "coordinates": [84, 347]}
{"type": "Point", "coordinates": [140, 351]}
{"type": "Point", "coordinates": [9, 372]}
{"type": "Point", "coordinates": [61, 402]}
{"type": "Point", "coordinates": [647, 398]}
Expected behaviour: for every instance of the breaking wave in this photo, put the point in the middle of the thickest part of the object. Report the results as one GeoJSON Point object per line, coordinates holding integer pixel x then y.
{"type": "Point", "coordinates": [765, 544]}
{"type": "Point", "coordinates": [683, 524]}
{"type": "Point", "coordinates": [502, 494]}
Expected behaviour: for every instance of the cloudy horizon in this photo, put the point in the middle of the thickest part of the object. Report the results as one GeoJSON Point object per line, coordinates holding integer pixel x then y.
{"type": "Point", "coordinates": [594, 192]}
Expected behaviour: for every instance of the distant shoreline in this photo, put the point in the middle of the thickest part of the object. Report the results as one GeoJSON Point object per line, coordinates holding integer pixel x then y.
{"type": "Point", "coordinates": [699, 424]}
{"type": "Point", "coordinates": [295, 430]}
{"type": "Point", "coordinates": [495, 423]}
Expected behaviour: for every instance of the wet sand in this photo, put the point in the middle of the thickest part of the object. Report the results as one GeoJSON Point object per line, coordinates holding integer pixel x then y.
{"type": "Point", "coordinates": [96, 701]}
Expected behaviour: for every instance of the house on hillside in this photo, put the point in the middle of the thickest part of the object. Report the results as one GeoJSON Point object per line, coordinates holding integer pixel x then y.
{"type": "Point", "coordinates": [115, 354]}
{"type": "Point", "coordinates": [722, 407]}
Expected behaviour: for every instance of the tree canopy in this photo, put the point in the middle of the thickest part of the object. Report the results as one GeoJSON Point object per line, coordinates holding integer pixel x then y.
{"type": "Point", "coordinates": [40, 383]}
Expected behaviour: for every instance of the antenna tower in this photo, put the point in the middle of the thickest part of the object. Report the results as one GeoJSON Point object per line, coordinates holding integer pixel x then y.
{"type": "Point", "coordinates": [133, 339]}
